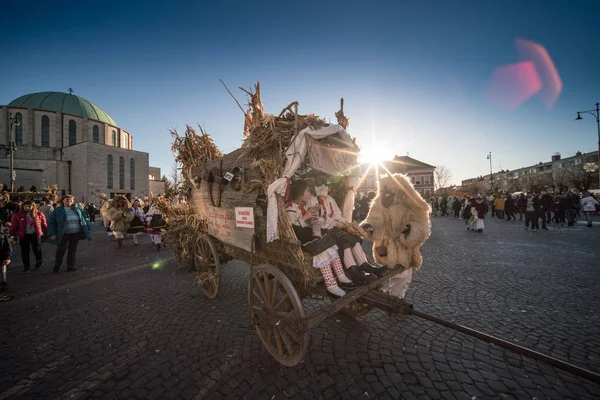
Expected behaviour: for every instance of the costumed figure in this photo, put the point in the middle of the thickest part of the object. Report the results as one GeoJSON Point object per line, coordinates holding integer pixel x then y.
{"type": "Point", "coordinates": [118, 213]}
{"type": "Point", "coordinates": [136, 227]}
{"type": "Point", "coordinates": [474, 216]}
{"type": "Point", "coordinates": [399, 222]}
{"type": "Point", "coordinates": [478, 211]}
{"type": "Point", "coordinates": [323, 248]}
{"type": "Point", "coordinates": [154, 225]}
{"type": "Point", "coordinates": [354, 259]}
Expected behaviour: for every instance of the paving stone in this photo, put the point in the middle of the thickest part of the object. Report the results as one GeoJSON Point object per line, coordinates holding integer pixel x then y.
{"type": "Point", "coordinates": [476, 280]}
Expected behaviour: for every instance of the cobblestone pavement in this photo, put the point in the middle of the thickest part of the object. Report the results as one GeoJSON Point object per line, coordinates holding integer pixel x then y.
{"type": "Point", "coordinates": [127, 325]}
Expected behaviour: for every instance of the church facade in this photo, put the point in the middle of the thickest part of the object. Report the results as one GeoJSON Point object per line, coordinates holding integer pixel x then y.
{"type": "Point", "coordinates": [66, 140]}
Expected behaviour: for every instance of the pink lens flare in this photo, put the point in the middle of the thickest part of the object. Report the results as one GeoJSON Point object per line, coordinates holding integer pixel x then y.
{"type": "Point", "coordinates": [512, 85]}
{"type": "Point", "coordinates": [536, 53]}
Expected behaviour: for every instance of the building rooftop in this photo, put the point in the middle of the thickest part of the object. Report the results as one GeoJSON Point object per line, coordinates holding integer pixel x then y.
{"type": "Point", "coordinates": [65, 103]}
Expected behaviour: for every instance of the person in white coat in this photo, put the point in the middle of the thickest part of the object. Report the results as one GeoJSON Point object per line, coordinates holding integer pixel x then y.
{"type": "Point", "coordinates": [588, 206]}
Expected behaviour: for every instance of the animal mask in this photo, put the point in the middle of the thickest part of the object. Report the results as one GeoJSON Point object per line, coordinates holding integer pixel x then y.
{"type": "Point", "coordinates": [400, 221]}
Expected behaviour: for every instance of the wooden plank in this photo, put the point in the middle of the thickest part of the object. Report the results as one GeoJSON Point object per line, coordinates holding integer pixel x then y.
{"type": "Point", "coordinates": [332, 308]}
{"type": "Point", "coordinates": [221, 225]}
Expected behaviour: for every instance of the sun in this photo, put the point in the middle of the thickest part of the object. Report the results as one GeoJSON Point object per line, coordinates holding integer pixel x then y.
{"type": "Point", "coordinates": [375, 153]}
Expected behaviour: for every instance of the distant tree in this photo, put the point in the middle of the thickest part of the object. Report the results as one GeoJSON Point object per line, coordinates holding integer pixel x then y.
{"type": "Point", "coordinates": [442, 177]}
{"type": "Point", "coordinates": [21, 189]}
{"type": "Point", "coordinates": [4, 187]}
{"type": "Point", "coordinates": [33, 188]}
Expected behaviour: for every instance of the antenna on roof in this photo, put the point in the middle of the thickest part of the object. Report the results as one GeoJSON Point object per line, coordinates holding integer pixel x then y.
{"type": "Point", "coordinates": [71, 90]}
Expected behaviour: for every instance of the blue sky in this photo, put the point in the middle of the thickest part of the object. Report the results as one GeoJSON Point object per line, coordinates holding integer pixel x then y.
{"type": "Point", "coordinates": [413, 73]}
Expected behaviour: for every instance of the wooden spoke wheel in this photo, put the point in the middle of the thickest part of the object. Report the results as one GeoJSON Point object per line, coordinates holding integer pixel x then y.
{"type": "Point", "coordinates": [276, 311]}
{"type": "Point", "coordinates": [207, 267]}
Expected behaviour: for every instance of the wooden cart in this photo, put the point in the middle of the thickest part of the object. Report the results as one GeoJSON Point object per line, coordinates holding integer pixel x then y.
{"type": "Point", "coordinates": [281, 274]}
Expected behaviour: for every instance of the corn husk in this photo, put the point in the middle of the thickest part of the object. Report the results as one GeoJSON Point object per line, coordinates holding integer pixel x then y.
{"type": "Point", "coordinates": [192, 149]}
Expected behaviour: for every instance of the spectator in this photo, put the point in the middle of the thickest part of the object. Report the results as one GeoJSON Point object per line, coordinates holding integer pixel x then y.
{"type": "Point", "coordinates": [509, 208]}
{"type": "Point", "coordinates": [29, 224]}
{"type": "Point", "coordinates": [66, 227]}
{"type": "Point", "coordinates": [499, 207]}
{"type": "Point", "coordinates": [46, 209]}
{"type": "Point", "coordinates": [588, 206]}
{"type": "Point", "coordinates": [569, 207]}
{"type": "Point", "coordinates": [5, 255]}
{"type": "Point", "coordinates": [521, 204]}
{"type": "Point", "coordinates": [530, 213]}
{"type": "Point", "coordinates": [91, 211]}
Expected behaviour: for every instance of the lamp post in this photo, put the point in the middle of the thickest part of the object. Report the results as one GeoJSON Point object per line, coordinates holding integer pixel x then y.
{"type": "Point", "coordinates": [596, 114]}
{"type": "Point", "coordinates": [489, 157]}
{"type": "Point", "coordinates": [12, 148]}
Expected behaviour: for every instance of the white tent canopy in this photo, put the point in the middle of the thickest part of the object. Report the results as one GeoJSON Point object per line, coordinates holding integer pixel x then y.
{"type": "Point", "coordinates": [309, 141]}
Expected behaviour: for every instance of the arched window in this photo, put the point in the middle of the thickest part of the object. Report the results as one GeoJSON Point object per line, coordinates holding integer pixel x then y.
{"type": "Point", "coordinates": [121, 173]}
{"type": "Point", "coordinates": [72, 132]}
{"type": "Point", "coordinates": [109, 172]}
{"type": "Point", "coordinates": [45, 131]}
{"type": "Point", "coordinates": [19, 129]}
{"type": "Point", "coordinates": [132, 174]}
{"type": "Point", "coordinates": [114, 138]}
{"type": "Point", "coordinates": [96, 134]}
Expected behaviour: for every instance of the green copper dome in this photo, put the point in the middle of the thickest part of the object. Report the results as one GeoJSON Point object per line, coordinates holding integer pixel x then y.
{"type": "Point", "coordinates": [65, 103]}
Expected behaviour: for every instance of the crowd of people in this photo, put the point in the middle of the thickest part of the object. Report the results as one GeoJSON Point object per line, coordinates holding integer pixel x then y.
{"type": "Point", "coordinates": [534, 209]}
{"type": "Point", "coordinates": [64, 224]}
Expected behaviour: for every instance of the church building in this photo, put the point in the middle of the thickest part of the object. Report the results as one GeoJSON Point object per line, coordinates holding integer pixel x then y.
{"type": "Point", "coordinates": [65, 139]}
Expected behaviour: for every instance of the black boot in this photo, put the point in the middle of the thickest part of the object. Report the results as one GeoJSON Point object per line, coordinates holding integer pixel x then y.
{"type": "Point", "coordinates": [358, 276]}
{"type": "Point", "coordinates": [368, 268]}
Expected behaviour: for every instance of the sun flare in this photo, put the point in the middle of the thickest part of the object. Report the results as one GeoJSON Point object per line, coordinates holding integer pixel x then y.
{"type": "Point", "coordinates": [375, 153]}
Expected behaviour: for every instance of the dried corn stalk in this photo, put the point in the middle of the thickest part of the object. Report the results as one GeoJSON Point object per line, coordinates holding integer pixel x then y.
{"type": "Point", "coordinates": [267, 136]}
{"type": "Point", "coordinates": [192, 149]}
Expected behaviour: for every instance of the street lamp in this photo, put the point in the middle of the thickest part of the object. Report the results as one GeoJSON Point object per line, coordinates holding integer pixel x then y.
{"type": "Point", "coordinates": [489, 157]}
{"type": "Point", "coordinates": [12, 147]}
{"type": "Point", "coordinates": [596, 114]}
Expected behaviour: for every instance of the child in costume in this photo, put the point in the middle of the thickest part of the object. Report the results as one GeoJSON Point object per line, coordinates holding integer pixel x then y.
{"type": "Point", "coordinates": [354, 258]}
{"type": "Point", "coordinates": [323, 249]}
{"type": "Point", "coordinates": [137, 223]}
{"type": "Point", "coordinates": [154, 224]}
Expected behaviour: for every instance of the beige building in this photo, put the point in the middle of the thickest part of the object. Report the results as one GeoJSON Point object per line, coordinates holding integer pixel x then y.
{"type": "Point", "coordinates": [157, 185]}
{"type": "Point", "coordinates": [558, 174]}
{"type": "Point", "coordinates": [65, 139]}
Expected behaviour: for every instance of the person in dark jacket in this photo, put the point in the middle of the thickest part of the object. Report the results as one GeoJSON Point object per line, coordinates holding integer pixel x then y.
{"type": "Point", "coordinates": [66, 227]}
{"type": "Point", "coordinates": [542, 207]}
{"type": "Point", "coordinates": [5, 255]}
{"type": "Point", "coordinates": [521, 204]}
{"type": "Point", "coordinates": [558, 210]}
{"type": "Point", "coordinates": [482, 209]}
{"type": "Point", "coordinates": [456, 206]}
{"type": "Point", "coordinates": [547, 200]}
{"type": "Point", "coordinates": [569, 207]}
{"type": "Point", "coordinates": [509, 208]}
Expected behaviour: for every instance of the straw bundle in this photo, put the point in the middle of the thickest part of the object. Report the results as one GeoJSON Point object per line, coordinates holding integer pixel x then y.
{"type": "Point", "coordinates": [192, 149]}
{"type": "Point", "coordinates": [51, 193]}
{"type": "Point", "coordinates": [268, 136]}
{"type": "Point", "coordinates": [183, 227]}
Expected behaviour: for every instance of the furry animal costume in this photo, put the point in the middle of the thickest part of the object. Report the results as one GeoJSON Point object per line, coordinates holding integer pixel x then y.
{"type": "Point", "coordinates": [120, 216]}
{"type": "Point", "coordinates": [399, 218]}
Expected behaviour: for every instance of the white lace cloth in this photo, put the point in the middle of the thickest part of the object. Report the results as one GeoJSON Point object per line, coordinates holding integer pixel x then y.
{"type": "Point", "coordinates": [326, 257]}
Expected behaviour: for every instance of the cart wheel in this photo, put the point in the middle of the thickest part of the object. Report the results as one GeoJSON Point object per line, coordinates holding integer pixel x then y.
{"type": "Point", "coordinates": [207, 267]}
{"type": "Point", "coordinates": [276, 310]}
{"type": "Point", "coordinates": [357, 308]}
